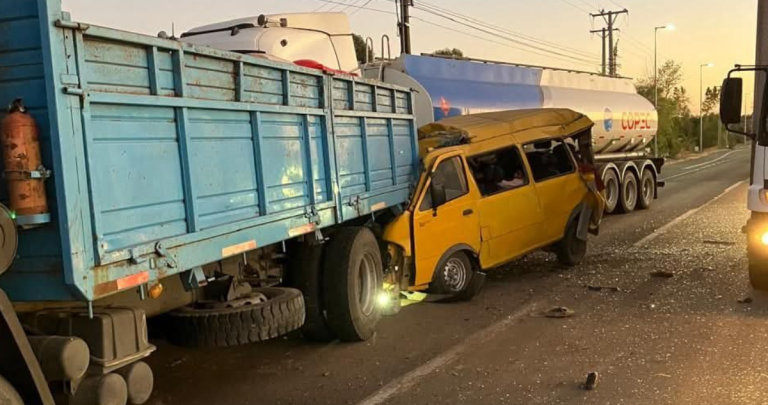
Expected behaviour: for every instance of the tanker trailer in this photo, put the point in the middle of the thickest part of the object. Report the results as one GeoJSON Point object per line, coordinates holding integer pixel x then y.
{"type": "Point", "coordinates": [625, 122]}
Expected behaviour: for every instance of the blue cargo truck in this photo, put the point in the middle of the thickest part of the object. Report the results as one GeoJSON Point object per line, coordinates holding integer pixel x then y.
{"type": "Point", "coordinates": [182, 181]}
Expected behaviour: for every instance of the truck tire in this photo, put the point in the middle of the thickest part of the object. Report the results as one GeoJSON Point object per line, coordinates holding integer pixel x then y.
{"type": "Point", "coordinates": [352, 281]}
{"type": "Point", "coordinates": [8, 394]}
{"type": "Point", "coordinates": [628, 195]}
{"type": "Point", "coordinates": [612, 190]}
{"type": "Point", "coordinates": [283, 312]}
{"type": "Point", "coordinates": [305, 274]}
{"type": "Point", "coordinates": [758, 269]}
{"type": "Point", "coordinates": [646, 190]}
{"type": "Point", "coordinates": [571, 250]}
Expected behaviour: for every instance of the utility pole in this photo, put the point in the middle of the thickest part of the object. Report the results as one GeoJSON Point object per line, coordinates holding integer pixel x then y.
{"type": "Point", "coordinates": [610, 19]}
{"type": "Point", "coordinates": [405, 26]}
{"type": "Point", "coordinates": [604, 37]}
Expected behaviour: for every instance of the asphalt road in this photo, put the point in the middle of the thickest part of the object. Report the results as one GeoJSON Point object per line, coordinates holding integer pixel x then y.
{"type": "Point", "coordinates": [678, 340]}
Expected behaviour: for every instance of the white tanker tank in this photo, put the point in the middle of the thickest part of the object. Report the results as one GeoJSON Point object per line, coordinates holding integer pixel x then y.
{"type": "Point", "coordinates": [625, 122]}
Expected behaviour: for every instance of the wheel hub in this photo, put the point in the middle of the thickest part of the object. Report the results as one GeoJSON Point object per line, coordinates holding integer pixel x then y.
{"type": "Point", "coordinates": [366, 286]}
{"type": "Point", "coordinates": [455, 275]}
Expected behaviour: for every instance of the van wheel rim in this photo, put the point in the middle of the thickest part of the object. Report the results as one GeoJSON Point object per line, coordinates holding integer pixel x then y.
{"type": "Point", "coordinates": [366, 287]}
{"type": "Point", "coordinates": [455, 274]}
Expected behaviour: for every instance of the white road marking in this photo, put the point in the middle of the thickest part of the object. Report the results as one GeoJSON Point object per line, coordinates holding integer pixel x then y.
{"type": "Point", "coordinates": [477, 339]}
{"type": "Point", "coordinates": [681, 218]}
{"type": "Point", "coordinates": [713, 160]}
{"type": "Point", "coordinates": [699, 168]}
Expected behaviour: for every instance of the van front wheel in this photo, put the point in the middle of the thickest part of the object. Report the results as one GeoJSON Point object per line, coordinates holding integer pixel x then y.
{"type": "Point", "coordinates": [571, 250]}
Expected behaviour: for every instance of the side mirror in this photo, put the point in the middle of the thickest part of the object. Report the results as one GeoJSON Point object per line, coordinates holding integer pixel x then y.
{"type": "Point", "coordinates": [730, 101]}
{"type": "Point", "coordinates": [439, 198]}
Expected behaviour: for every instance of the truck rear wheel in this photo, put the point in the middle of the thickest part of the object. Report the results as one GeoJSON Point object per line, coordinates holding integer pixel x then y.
{"type": "Point", "coordinates": [628, 195]}
{"type": "Point", "coordinates": [353, 279]}
{"type": "Point", "coordinates": [8, 394]}
{"type": "Point", "coordinates": [646, 190]}
{"type": "Point", "coordinates": [305, 272]}
{"type": "Point", "coordinates": [248, 322]}
{"type": "Point", "coordinates": [612, 190]}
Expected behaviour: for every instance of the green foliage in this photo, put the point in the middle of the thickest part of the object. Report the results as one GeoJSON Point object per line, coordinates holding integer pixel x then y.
{"type": "Point", "coordinates": [454, 53]}
{"type": "Point", "coordinates": [360, 48]}
{"type": "Point", "coordinates": [678, 127]}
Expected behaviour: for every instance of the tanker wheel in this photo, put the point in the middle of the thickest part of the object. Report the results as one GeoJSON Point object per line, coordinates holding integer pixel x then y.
{"type": "Point", "coordinates": [8, 394]}
{"type": "Point", "coordinates": [264, 314]}
{"type": "Point", "coordinates": [611, 181]}
{"type": "Point", "coordinates": [628, 195]}
{"type": "Point", "coordinates": [646, 190]}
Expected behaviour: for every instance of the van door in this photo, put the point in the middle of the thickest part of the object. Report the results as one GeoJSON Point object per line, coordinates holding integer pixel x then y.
{"type": "Point", "coordinates": [558, 184]}
{"type": "Point", "coordinates": [510, 214]}
{"type": "Point", "coordinates": [453, 225]}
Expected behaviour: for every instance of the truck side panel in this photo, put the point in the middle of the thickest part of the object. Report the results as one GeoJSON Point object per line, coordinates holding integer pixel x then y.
{"type": "Point", "coordinates": [168, 156]}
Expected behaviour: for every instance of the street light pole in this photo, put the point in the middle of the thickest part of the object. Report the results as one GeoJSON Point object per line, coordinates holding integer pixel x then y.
{"type": "Point", "coordinates": [668, 27]}
{"type": "Point", "coordinates": [701, 105]}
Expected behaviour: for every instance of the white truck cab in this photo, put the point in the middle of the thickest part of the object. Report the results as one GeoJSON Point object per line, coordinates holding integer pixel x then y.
{"type": "Point", "coordinates": [730, 115]}
{"type": "Point", "coordinates": [324, 38]}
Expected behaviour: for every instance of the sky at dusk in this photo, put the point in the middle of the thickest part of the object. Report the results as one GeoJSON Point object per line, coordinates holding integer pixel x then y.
{"type": "Point", "coordinates": [717, 31]}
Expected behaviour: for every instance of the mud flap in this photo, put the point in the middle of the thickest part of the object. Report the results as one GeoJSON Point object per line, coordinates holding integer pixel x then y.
{"type": "Point", "coordinates": [18, 364]}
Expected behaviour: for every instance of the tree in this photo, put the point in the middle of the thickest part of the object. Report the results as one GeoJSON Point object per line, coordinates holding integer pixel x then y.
{"type": "Point", "coordinates": [453, 53]}
{"type": "Point", "coordinates": [361, 47]}
{"type": "Point", "coordinates": [676, 128]}
{"type": "Point", "coordinates": [711, 100]}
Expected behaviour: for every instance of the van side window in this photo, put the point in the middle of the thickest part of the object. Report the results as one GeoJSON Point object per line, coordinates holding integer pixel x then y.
{"type": "Point", "coordinates": [548, 159]}
{"type": "Point", "coordinates": [450, 173]}
{"type": "Point", "coordinates": [499, 171]}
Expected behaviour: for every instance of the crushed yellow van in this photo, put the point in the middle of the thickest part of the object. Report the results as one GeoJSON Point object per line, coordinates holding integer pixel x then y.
{"type": "Point", "coordinates": [494, 187]}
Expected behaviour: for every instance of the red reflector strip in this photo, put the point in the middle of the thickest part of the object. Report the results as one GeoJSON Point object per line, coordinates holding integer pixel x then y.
{"type": "Point", "coordinates": [237, 249]}
{"type": "Point", "coordinates": [301, 230]}
{"type": "Point", "coordinates": [132, 281]}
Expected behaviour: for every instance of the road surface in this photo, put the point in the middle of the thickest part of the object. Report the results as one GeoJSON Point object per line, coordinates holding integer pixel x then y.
{"type": "Point", "coordinates": [679, 340]}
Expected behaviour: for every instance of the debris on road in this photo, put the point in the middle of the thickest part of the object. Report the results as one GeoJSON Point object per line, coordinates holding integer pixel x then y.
{"type": "Point", "coordinates": [747, 300]}
{"type": "Point", "coordinates": [662, 274]}
{"type": "Point", "coordinates": [719, 243]}
{"type": "Point", "coordinates": [559, 312]}
{"type": "Point", "coordinates": [598, 288]}
{"type": "Point", "coordinates": [591, 382]}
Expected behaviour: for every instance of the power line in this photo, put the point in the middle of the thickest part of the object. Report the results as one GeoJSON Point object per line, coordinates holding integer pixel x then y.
{"type": "Point", "coordinates": [495, 34]}
{"type": "Point", "coordinates": [576, 6]}
{"type": "Point", "coordinates": [357, 7]}
{"type": "Point", "coordinates": [507, 31]}
{"type": "Point", "coordinates": [495, 42]}
{"type": "Point", "coordinates": [364, 6]}
{"type": "Point", "coordinates": [353, 3]}
{"type": "Point", "coordinates": [588, 5]}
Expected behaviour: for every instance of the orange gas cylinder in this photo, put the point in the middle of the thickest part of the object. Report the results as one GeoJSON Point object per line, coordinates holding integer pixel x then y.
{"type": "Point", "coordinates": [24, 172]}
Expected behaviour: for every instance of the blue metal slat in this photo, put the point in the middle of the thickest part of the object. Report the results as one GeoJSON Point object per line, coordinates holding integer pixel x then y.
{"type": "Point", "coordinates": [154, 70]}
{"type": "Point", "coordinates": [257, 130]}
{"type": "Point", "coordinates": [366, 160]}
{"type": "Point", "coordinates": [182, 127]}
{"type": "Point", "coordinates": [392, 154]}
{"type": "Point", "coordinates": [309, 172]}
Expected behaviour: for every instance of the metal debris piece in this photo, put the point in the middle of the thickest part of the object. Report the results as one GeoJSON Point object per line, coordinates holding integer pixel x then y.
{"type": "Point", "coordinates": [719, 242]}
{"type": "Point", "coordinates": [559, 312]}
{"type": "Point", "coordinates": [598, 288]}
{"type": "Point", "coordinates": [663, 274]}
{"type": "Point", "coordinates": [591, 382]}
{"type": "Point", "coordinates": [747, 300]}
